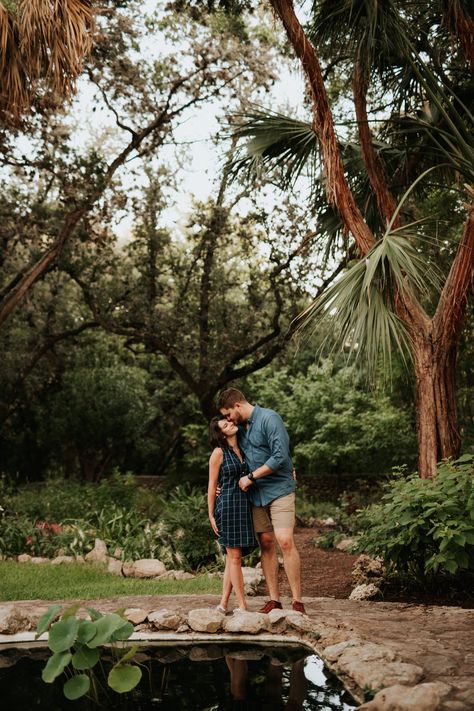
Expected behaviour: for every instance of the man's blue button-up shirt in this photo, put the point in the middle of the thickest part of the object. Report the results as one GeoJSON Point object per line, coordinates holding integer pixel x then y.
{"type": "Point", "coordinates": [265, 441]}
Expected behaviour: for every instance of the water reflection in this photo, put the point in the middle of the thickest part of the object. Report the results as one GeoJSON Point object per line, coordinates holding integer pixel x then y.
{"type": "Point", "coordinates": [283, 687]}
{"type": "Point", "coordinates": [212, 677]}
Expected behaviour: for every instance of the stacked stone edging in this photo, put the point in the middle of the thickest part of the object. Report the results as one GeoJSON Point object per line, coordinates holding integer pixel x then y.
{"type": "Point", "coordinates": [358, 661]}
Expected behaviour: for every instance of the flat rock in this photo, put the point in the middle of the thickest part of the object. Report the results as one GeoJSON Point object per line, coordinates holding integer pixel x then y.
{"type": "Point", "coordinates": [135, 615]}
{"type": "Point", "coordinates": [165, 619]}
{"type": "Point", "coordinates": [205, 620]}
{"type": "Point", "coordinates": [379, 674]}
{"type": "Point", "coordinates": [39, 560]}
{"type": "Point", "coordinates": [368, 652]}
{"type": "Point", "coordinates": [13, 620]}
{"type": "Point", "coordinates": [423, 697]}
{"type": "Point", "coordinates": [246, 622]}
{"type": "Point", "coordinates": [148, 568]}
{"type": "Point", "coordinates": [334, 651]}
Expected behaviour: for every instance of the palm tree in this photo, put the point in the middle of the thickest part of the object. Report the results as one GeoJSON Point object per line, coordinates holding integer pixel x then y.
{"type": "Point", "coordinates": [380, 300]}
{"type": "Point", "coordinates": [42, 43]}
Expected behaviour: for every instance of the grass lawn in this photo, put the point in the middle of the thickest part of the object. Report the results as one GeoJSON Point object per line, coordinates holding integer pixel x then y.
{"type": "Point", "coordinates": [28, 581]}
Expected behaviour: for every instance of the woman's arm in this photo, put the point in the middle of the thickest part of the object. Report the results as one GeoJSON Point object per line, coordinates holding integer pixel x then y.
{"type": "Point", "coordinates": [215, 461]}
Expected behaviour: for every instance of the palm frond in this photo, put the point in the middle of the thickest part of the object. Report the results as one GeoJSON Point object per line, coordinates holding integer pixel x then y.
{"type": "Point", "coordinates": [41, 41]}
{"type": "Point", "coordinates": [360, 306]}
{"type": "Point", "coordinates": [276, 142]}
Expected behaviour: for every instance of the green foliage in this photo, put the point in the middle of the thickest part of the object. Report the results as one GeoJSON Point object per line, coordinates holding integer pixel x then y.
{"type": "Point", "coordinates": [184, 517]}
{"type": "Point", "coordinates": [327, 540]}
{"type": "Point", "coordinates": [335, 423]}
{"type": "Point", "coordinates": [425, 527]}
{"type": "Point", "coordinates": [65, 516]}
{"type": "Point", "coordinates": [74, 643]}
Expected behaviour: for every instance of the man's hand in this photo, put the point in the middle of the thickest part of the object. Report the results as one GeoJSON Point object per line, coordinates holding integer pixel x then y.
{"type": "Point", "coordinates": [245, 483]}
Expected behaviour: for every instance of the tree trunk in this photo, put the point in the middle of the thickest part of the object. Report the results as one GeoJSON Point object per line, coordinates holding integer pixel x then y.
{"type": "Point", "coordinates": [436, 412]}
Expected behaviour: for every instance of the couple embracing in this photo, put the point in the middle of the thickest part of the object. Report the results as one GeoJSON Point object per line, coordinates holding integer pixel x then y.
{"type": "Point", "coordinates": [251, 494]}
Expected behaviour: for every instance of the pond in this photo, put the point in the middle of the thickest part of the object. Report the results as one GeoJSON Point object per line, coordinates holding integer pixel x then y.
{"type": "Point", "coordinates": [208, 677]}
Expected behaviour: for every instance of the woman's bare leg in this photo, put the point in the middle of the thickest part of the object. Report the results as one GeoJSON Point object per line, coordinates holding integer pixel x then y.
{"type": "Point", "coordinates": [226, 584]}
{"type": "Point", "coordinates": [234, 556]}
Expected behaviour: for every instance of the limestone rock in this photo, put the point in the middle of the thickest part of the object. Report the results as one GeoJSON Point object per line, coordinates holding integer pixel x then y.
{"type": "Point", "coordinates": [298, 621]}
{"type": "Point", "coordinates": [127, 568]}
{"type": "Point", "coordinates": [379, 674]}
{"type": "Point", "coordinates": [365, 591]}
{"type": "Point", "coordinates": [60, 559]}
{"type": "Point", "coordinates": [148, 568]}
{"type": "Point", "coordinates": [205, 620]}
{"type": "Point", "coordinates": [80, 559]}
{"type": "Point", "coordinates": [423, 697]}
{"type": "Point", "coordinates": [252, 579]}
{"type": "Point", "coordinates": [98, 554]}
{"type": "Point", "coordinates": [246, 622]}
{"type": "Point", "coordinates": [165, 619]}
{"type": "Point", "coordinates": [114, 566]}
{"type": "Point", "coordinates": [334, 651]}
{"type": "Point", "coordinates": [118, 553]}
{"type": "Point", "coordinates": [277, 616]}
{"type": "Point", "coordinates": [24, 558]}
{"type": "Point", "coordinates": [367, 570]}
{"type": "Point", "coordinates": [183, 628]}
{"type": "Point", "coordinates": [13, 620]}
{"type": "Point", "coordinates": [38, 560]}
{"type": "Point", "coordinates": [345, 544]}
{"type": "Point", "coordinates": [135, 615]}
{"type": "Point", "coordinates": [368, 652]}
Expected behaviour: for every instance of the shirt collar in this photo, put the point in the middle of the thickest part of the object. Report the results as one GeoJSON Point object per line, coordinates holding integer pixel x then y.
{"type": "Point", "coordinates": [254, 412]}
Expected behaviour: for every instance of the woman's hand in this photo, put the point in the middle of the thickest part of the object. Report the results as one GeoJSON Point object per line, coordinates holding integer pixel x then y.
{"type": "Point", "coordinates": [214, 525]}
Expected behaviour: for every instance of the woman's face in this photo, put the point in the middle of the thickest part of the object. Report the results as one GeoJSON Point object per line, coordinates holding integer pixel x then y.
{"type": "Point", "coordinates": [227, 428]}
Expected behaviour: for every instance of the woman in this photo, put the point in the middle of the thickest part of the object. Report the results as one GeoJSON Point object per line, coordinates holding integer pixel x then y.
{"type": "Point", "coordinates": [230, 515]}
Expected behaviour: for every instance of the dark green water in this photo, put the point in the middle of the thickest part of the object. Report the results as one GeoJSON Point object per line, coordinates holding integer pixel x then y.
{"type": "Point", "coordinates": [205, 678]}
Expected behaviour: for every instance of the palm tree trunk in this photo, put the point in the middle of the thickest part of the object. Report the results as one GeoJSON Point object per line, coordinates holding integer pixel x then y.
{"type": "Point", "coordinates": [436, 412]}
{"type": "Point", "coordinates": [337, 189]}
{"type": "Point", "coordinates": [385, 201]}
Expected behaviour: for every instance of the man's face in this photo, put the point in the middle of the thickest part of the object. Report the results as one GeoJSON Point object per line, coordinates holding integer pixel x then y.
{"type": "Point", "coordinates": [233, 414]}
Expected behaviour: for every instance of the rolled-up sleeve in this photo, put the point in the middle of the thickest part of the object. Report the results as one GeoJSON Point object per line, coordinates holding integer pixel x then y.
{"type": "Point", "coordinates": [277, 438]}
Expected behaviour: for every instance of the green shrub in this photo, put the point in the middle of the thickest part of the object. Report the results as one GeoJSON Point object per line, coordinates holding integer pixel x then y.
{"type": "Point", "coordinates": [185, 519]}
{"type": "Point", "coordinates": [425, 527]}
{"type": "Point", "coordinates": [327, 540]}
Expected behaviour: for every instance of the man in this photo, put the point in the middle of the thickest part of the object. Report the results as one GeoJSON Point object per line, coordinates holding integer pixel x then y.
{"type": "Point", "coordinates": [271, 486]}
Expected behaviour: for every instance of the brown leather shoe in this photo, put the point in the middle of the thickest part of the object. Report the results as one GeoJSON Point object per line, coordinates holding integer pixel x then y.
{"type": "Point", "coordinates": [298, 606]}
{"type": "Point", "coordinates": [270, 605]}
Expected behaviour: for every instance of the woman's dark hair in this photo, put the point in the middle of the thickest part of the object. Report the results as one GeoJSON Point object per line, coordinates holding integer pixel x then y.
{"type": "Point", "coordinates": [216, 436]}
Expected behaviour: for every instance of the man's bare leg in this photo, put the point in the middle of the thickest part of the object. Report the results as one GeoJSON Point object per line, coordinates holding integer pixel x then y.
{"type": "Point", "coordinates": [291, 560]}
{"type": "Point", "coordinates": [270, 564]}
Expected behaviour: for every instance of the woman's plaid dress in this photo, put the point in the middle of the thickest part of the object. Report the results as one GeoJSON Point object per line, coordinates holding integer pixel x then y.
{"type": "Point", "coordinates": [233, 510]}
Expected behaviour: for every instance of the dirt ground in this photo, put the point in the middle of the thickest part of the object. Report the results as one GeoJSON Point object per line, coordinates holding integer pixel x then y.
{"type": "Point", "coordinates": [327, 573]}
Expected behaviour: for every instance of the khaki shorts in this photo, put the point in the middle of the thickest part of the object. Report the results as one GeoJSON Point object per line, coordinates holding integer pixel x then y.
{"type": "Point", "coordinates": [279, 513]}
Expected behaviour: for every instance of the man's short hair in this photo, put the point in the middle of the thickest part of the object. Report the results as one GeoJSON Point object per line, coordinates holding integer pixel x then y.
{"type": "Point", "coordinates": [229, 398]}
